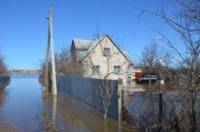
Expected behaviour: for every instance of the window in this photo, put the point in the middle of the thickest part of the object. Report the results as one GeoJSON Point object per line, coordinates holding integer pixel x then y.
{"type": "Point", "coordinates": [95, 69]}
{"type": "Point", "coordinates": [117, 69]}
{"type": "Point", "coordinates": [106, 52]}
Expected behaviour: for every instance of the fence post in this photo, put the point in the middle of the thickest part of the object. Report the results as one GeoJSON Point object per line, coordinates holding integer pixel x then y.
{"type": "Point", "coordinates": [160, 111]}
{"type": "Point", "coordinates": [119, 102]}
{"type": "Point", "coordinates": [119, 107]}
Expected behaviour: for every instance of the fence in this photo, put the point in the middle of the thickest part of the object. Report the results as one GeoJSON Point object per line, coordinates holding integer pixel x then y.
{"type": "Point", "coordinates": [167, 111]}
{"type": "Point", "coordinates": [90, 91]}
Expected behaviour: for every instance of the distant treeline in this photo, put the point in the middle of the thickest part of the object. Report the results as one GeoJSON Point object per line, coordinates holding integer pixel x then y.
{"type": "Point", "coordinates": [24, 72]}
{"type": "Point", "coordinates": [3, 67]}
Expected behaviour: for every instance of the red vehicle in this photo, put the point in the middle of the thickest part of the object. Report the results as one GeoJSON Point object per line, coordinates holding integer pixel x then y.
{"type": "Point", "coordinates": [138, 75]}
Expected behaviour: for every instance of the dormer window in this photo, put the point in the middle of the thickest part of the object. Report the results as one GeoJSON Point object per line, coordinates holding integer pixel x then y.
{"type": "Point", "coordinates": [106, 52]}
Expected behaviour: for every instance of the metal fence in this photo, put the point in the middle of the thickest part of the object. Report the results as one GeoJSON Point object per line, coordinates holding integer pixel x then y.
{"type": "Point", "coordinates": [169, 111]}
{"type": "Point", "coordinates": [89, 91]}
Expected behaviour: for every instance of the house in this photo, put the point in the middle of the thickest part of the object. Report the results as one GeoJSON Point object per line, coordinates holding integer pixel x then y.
{"type": "Point", "coordinates": [100, 58]}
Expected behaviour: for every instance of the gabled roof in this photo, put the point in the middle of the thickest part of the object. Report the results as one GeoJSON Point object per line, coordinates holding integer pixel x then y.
{"type": "Point", "coordinates": [82, 44]}
{"type": "Point", "coordinates": [87, 46]}
{"type": "Point", "coordinates": [123, 53]}
{"type": "Point", "coordinates": [84, 47]}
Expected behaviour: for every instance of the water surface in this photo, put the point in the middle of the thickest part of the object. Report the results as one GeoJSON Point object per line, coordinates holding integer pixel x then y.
{"type": "Point", "coordinates": [23, 109]}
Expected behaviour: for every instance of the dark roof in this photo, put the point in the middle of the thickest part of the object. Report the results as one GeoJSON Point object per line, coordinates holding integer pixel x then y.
{"type": "Point", "coordinates": [82, 44]}
{"type": "Point", "coordinates": [84, 47]}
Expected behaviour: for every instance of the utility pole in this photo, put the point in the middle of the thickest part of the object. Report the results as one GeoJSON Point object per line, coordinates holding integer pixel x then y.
{"type": "Point", "coordinates": [50, 54]}
{"type": "Point", "coordinates": [53, 75]}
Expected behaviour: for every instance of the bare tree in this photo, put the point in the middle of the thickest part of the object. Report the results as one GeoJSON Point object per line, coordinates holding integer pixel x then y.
{"type": "Point", "coordinates": [3, 67]}
{"type": "Point", "coordinates": [63, 62]}
{"type": "Point", "coordinates": [186, 23]}
{"type": "Point", "coordinates": [63, 65]}
{"type": "Point", "coordinates": [155, 60]}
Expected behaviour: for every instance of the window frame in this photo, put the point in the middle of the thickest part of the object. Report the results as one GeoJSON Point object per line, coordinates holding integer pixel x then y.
{"type": "Point", "coordinates": [106, 52]}
{"type": "Point", "coordinates": [96, 69]}
{"type": "Point", "coordinates": [117, 69]}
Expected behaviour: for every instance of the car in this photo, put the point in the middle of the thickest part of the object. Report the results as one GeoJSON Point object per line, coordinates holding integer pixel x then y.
{"type": "Point", "coordinates": [147, 78]}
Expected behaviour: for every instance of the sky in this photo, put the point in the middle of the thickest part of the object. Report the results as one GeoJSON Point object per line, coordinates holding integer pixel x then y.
{"type": "Point", "coordinates": [23, 26]}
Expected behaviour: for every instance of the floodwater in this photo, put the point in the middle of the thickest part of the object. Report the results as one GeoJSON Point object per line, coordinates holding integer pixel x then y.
{"type": "Point", "coordinates": [23, 109]}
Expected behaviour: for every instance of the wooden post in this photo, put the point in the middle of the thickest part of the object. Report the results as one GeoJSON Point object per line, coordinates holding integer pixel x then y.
{"type": "Point", "coordinates": [119, 102]}
{"type": "Point", "coordinates": [119, 107]}
{"type": "Point", "coordinates": [160, 111]}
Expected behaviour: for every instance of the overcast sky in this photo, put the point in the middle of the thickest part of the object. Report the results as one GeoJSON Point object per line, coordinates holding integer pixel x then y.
{"type": "Point", "coordinates": [23, 27]}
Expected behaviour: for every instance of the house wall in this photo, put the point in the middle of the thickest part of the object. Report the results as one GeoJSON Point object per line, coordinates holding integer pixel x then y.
{"type": "Point", "coordinates": [96, 57]}
{"type": "Point", "coordinates": [76, 66]}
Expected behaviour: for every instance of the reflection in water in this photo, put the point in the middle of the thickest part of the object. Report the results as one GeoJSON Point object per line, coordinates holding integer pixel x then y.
{"type": "Point", "coordinates": [3, 126]}
{"type": "Point", "coordinates": [88, 117]}
{"type": "Point", "coordinates": [3, 95]}
{"type": "Point", "coordinates": [50, 111]}
{"type": "Point", "coordinates": [59, 118]}
{"type": "Point", "coordinates": [69, 114]}
{"type": "Point", "coordinates": [54, 111]}
{"type": "Point", "coordinates": [48, 118]}
{"type": "Point", "coordinates": [23, 108]}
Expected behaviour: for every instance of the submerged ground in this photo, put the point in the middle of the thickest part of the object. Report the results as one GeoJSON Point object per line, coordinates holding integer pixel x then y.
{"type": "Point", "coordinates": [22, 108]}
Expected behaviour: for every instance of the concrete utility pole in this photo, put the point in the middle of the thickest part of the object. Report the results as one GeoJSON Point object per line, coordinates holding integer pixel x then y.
{"type": "Point", "coordinates": [53, 65]}
{"type": "Point", "coordinates": [50, 54]}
